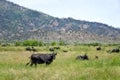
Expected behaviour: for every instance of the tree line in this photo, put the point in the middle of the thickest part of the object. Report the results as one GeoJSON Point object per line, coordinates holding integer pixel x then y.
{"type": "Point", "coordinates": [54, 43]}
{"type": "Point", "coordinates": [38, 43]}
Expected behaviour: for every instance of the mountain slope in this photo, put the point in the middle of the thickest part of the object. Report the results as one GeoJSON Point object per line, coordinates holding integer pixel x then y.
{"type": "Point", "coordinates": [19, 23]}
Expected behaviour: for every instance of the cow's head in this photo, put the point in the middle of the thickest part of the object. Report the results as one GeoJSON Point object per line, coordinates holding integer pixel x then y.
{"type": "Point", "coordinates": [53, 55]}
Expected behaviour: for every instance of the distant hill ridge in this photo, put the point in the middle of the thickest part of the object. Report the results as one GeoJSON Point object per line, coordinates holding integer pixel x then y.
{"type": "Point", "coordinates": [19, 23]}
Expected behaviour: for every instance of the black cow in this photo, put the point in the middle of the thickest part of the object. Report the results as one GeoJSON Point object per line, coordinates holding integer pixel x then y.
{"type": "Point", "coordinates": [41, 58]}
{"type": "Point", "coordinates": [98, 48]}
{"type": "Point", "coordinates": [65, 50]}
{"type": "Point", "coordinates": [57, 48]}
{"type": "Point", "coordinates": [84, 57]}
{"type": "Point", "coordinates": [31, 49]}
{"type": "Point", "coordinates": [96, 57]}
{"type": "Point", "coordinates": [28, 49]}
{"type": "Point", "coordinates": [116, 50]}
{"type": "Point", "coordinates": [52, 49]}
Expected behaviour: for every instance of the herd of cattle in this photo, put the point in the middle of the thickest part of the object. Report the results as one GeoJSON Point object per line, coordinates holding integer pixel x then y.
{"type": "Point", "coordinates": [48, 58]}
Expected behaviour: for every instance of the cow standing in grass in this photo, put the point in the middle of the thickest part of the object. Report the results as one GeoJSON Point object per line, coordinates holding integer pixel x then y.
{"type": "Point", "coordinates": [41, 58]}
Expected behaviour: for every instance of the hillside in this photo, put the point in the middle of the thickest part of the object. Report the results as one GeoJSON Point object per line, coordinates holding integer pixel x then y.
{"type": "Point", "coordinates": [19, 23]}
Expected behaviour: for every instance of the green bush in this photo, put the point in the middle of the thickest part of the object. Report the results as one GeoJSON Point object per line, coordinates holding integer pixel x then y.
{"type": "Point", "coordinates": [18, 43]}
{"type": "Point", "coordinates": [30, 43]}
{"type": "Point", "coordinates": [53, 43]}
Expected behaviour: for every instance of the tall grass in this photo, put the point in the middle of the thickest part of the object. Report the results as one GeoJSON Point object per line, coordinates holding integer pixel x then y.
{"type": "Point", "coordinates": [64, 67]}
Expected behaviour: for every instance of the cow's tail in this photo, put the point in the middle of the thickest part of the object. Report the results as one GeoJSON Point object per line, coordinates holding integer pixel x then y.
{"type": "Point", "coordinates": [28, 62]}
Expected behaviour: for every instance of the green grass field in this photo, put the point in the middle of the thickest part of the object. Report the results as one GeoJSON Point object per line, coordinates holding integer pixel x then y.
{"type": "Point", "coordinates": [64, 67]}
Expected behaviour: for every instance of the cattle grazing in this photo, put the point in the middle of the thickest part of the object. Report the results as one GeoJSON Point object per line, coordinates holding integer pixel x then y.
{"type": "Point", "coordinates": [84, 57]}
{"type": "Point", "coordinates": [31, 49]}
{"type": "Point", "coordinates": [65, 50]}
{"type": "Point", "coordinates": [96, 57]}
{"type": "Point", "coordinates": [41, 59]}
{"type": "Point", "coordinates": [98, 48]}
{"type": "Point", "coordinates": [57, 48]}
{"type": "Point", "coordinates": [28, 49]}
{"type": "Point", "coordinates": [51, 49]}
{"type": "Point", "coordinates": [116, 50]}
{"type": "Point", "coordinates": [4, 45]}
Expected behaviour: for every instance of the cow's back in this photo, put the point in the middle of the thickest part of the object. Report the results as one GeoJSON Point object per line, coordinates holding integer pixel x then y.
{"type": "Point", "coordinates": [45, 56]}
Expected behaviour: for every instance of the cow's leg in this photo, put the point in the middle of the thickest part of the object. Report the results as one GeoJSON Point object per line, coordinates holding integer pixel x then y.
{"type": "Point", "coordinates": [35, 64]}
{"type": "Point", "coordinates": [31, 64]}
{"type": "Point", "coordinates": [48, 62]}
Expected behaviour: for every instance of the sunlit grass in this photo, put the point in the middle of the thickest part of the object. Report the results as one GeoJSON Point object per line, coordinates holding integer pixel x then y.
{"type": "Point", "coordinates": [64, 67]}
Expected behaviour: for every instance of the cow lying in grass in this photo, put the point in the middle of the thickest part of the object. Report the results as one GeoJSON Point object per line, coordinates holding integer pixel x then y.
{"type": "Point", "coordinates": [116, 50]}
{"type": "Point", "coordinates": [31, 49]}
{"type": "Point", "coordinates": [84, 57]}
{"type": "Point", "coordinates": [98, 48]}
{"type": "Point", "coordinates": [41, 58]}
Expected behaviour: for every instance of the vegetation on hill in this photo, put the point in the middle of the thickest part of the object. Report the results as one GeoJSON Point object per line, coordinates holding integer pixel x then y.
{"type": "Point", "coordinates": [18, 24]}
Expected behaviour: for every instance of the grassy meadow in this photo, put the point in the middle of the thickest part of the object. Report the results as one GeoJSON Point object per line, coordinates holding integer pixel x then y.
{"type": "Point", "coordinates": [64, 67]}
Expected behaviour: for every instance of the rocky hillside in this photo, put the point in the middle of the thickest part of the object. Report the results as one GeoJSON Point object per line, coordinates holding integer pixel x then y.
{"type": "Point", "coordinates": [19, 23]}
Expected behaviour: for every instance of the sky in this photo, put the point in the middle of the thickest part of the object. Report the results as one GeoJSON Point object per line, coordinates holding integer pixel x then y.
{"type": "Point", "coordinates": [103, 11]}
